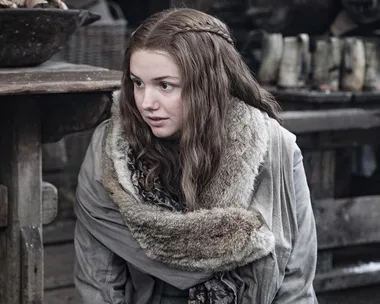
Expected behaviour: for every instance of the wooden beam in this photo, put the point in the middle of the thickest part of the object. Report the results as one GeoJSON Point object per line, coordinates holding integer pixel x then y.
{"type": "Point", "coordinates": [348, 221]}
{"type": "Point", "coordinates": [49, 204]}
{"type": "Point", "coordinates": [348, 277]}
{"type": "Point", "coordinates": [301, 122]}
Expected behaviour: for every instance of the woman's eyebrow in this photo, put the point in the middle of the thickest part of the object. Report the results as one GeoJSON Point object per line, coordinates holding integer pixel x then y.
{"type": "Point", "coordinates": [157, 78]}
{"type": "Point", "coordinates": [165, 77]}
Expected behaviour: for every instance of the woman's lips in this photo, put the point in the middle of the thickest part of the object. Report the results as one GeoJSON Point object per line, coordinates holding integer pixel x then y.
{"type": "Point", "coordinates": [156, 121]}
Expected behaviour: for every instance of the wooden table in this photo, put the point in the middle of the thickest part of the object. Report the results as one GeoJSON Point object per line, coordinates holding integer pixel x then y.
{"type": "Point", "coordinates": [37, 105]}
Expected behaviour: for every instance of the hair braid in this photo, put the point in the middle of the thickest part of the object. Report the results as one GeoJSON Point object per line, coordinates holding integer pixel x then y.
{"type": "Point", "coordinates": [208, 29]}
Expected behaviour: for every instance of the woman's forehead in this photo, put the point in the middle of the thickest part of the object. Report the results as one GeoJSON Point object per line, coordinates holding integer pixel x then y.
{"type": "Point", "coordinates": [153, 64]}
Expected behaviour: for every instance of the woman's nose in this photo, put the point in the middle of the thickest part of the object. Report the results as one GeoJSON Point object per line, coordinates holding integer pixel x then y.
{"type": "Point", "coordinates": [150, 100]}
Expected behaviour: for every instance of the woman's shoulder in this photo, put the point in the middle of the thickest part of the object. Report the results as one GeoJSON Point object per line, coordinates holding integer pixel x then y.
{"type": "Point", "coordinates": [288, 138]}
{"type": "Point", "coordinates": [282, 144]}
{"type": "Point", "coordinates": [275, 131]}
{"type": "Point", "coordinates": [91, 165]}
{"type": "Point", "coordinates": [101, 131]}
{"type": "Point", "coordinates": [287, 142]}
{"type": "Point", "coordinates": [98, 137]}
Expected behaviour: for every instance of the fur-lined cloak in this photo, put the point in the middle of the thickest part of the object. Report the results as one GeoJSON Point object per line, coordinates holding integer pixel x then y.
{"type": "Point", "coordinates": [256, 225]}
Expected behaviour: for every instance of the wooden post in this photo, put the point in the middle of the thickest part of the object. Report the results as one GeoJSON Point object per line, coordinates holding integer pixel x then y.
{"type": "Point", "coordinates": [3, 206]}
{"type": "Point", "coordinates": [3, 244]}
{"type": "Point", "coordinates": [20, 172]}
{"type": "Point", "coordinates": [31, 261]}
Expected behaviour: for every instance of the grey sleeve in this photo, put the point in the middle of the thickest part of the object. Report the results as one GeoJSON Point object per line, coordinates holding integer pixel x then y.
{"type": "Point", "coordinates": [99, 274]}
{"type": "Point", "coordinates": [297, 287]}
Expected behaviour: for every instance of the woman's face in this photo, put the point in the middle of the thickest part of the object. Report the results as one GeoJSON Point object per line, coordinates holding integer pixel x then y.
{"type": "Point", "coordinates": [157, 91]}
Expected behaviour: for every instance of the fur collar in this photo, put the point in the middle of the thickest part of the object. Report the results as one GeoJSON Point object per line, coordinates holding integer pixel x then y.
{"type": "Point", "coordinates": [228, 232]}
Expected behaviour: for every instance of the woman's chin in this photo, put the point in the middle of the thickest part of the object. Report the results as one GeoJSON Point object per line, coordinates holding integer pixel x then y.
{"type": "Point", "coordinates": [163, 134]}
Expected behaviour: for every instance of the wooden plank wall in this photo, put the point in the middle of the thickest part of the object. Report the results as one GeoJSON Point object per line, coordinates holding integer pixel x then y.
{"type": "Point", "coordinates": [61, 163]}
{"type": "Point", "coordinates": [347, 226]}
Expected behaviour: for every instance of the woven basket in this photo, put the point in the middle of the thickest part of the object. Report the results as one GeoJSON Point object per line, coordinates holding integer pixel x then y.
{"type": "Point", "coordinates": [100, 44]}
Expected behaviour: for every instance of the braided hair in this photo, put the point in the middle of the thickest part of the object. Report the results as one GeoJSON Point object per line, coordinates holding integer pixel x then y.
{"type": "Point", "coordinates": [208, 28]}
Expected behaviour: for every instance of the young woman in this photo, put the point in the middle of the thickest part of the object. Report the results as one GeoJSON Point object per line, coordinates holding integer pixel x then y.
{"type": "Point", "coordinates": [192, 192]}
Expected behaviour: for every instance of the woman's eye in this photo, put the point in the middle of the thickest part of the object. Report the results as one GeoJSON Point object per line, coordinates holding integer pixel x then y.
{"type": "Point", "coordinates": [165, 86]}
{"type": "Point", "coordinates": [137, 82]}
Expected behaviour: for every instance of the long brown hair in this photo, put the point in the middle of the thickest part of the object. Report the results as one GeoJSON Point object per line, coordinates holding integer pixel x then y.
{"type": "Point", "coordinates": [212, 71]}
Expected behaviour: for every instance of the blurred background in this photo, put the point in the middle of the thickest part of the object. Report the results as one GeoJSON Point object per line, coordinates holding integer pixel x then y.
{"type": "Point", "coordinates": [320, 58]}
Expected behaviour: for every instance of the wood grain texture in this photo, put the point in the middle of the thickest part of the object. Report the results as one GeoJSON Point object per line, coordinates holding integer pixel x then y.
{"type": "Point", "coordinates": [32, 273]}
{"type": "Point", "coordinates": [57, 77]}
{"type": "Point", "coordinates": [49, 204]}
{"type": "Point", "coordinates": [52, 66]}
{"type": "Point", "coordinates": [344, 278]}
{"type": "Point", "coordinates": [21, 173]}
{"type": "Point", "coordinates": [347, 221]}
{"type": "Point", "coordinates": [331, 120]}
